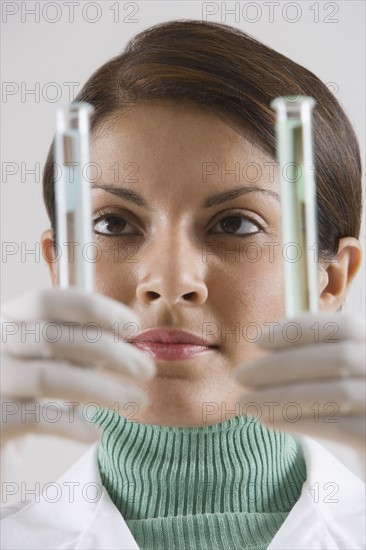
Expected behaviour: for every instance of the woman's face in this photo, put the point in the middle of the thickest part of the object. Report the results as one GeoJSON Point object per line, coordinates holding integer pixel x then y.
{"type": "Point", "coordinates": [185, 256]}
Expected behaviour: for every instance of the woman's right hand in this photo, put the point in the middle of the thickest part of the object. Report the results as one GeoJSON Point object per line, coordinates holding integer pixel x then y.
{"type": "Point", "coordinates": [67, 345]}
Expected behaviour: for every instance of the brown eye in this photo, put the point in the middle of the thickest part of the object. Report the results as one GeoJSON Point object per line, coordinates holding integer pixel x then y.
{"type": "Point", "coordinates": [231, 224]}
{"type": "Point", "coordinates": [237, 225]}
{"type": "Point", "coordinates": [110, 225]}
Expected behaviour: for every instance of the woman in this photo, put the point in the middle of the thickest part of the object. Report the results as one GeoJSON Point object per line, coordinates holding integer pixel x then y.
{"type": "Point", "coordinates": [198, 428]}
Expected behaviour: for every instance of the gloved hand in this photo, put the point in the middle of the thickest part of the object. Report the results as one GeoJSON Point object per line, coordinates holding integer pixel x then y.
{"type": "Point", "coordinates": [68, 345]}
{"type": "Point", "coordinates": [313, 379]}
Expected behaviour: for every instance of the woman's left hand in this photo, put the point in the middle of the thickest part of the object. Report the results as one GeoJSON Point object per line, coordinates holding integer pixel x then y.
{"type": "Point", "coordinates": [313, 379]}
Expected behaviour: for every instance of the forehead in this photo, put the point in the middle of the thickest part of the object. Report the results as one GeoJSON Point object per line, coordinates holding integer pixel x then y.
{"type": "Point", "coordinates": [177, 156]}
{"type": "Point", "coordinates": [171, 133]}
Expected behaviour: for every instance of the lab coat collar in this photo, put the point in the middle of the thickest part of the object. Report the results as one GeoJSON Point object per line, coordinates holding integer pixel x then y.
{"type": "Point", "coordinates": [329, 513]}
{"type": "Point", "coordinates": [83, 518]}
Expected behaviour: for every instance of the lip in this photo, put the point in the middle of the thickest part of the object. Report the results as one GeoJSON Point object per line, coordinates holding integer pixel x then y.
{"type": "Point", "coordinates": [171, 345]}
{"type": "Point", "coordinates": [171, 336]}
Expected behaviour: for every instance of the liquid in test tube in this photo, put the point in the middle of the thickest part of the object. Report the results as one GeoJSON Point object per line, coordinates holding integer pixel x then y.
{"type": "Point", "coordinates": [73, 196]}
{"type": "Point", "coordinates": [294, 142]}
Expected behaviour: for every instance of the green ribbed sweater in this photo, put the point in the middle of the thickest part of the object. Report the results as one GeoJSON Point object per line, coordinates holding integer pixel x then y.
{"type": "Point", "coordinates": [224, 486]}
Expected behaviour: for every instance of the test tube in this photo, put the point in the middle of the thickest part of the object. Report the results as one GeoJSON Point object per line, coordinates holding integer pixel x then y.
{"type": "Point", "coordinates": [73, 196]}
{"type": "Point", "coordinates": [294, 143]}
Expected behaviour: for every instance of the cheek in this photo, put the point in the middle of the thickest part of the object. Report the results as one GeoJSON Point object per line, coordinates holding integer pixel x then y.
{"type": "Point", "coordinates": [251, 288]}
{"type": "Point", "coordinates": [244, 296]}
{"type": "Point", "coordinates": [115, 272]}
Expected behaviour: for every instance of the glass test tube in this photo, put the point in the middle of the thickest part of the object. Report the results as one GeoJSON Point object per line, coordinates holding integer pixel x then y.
{"type": "Point", "coordinates": [73, 196]}
{"type": "Point", "coordinates": [298, 202]}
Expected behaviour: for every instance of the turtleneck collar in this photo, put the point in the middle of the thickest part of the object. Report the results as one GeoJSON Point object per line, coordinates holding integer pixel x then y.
{"type": "Point", "coordinates": [234, 466]}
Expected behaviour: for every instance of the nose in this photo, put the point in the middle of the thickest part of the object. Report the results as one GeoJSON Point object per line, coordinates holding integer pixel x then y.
{"type": "Point", "coordinates": [173, 273]}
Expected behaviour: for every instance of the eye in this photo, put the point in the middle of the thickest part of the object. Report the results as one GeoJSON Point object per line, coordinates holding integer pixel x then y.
{"type": "Point", "coordinates": [111, 225]}
{"type": "Point", "coordinates": [237, 224]}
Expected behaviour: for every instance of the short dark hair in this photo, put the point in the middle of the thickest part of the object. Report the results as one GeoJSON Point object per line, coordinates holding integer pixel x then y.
{"type": "Point", "coordinates": [230, 73]}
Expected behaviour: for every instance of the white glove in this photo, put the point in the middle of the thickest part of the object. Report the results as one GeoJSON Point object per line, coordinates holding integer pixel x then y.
{"type": "Point", "coordinates": [68, 345]}
{"type": "Point", "coordinates": [313, 379]}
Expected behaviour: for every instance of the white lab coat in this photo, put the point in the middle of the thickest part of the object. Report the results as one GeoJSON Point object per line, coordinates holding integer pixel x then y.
{"type": "Point", "coordinates": [329, 513]}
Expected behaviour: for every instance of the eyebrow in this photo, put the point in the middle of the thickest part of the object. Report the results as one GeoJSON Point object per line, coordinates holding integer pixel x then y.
{"type": "Point", "coordinates": [214, 200]}
{"type": "Point", "coordinates": [126, 194]}
{"type": "Point", "coordinates": [237, 192]}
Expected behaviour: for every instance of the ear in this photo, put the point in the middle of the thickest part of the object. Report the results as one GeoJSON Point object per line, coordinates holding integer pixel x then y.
{"type": "Point", "coordinates": [49, 254]}
{"type": "Point", "coordinates": [336, 275]}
